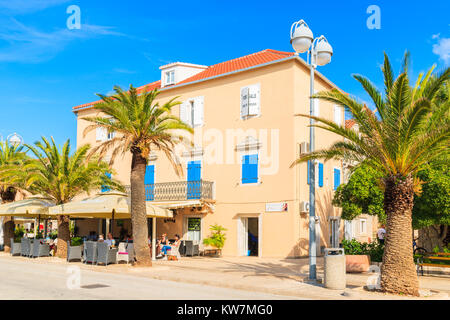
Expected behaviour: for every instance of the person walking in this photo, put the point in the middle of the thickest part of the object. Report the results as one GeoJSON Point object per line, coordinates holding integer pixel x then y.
{"type": "Point", "coordinates": [381, 234]}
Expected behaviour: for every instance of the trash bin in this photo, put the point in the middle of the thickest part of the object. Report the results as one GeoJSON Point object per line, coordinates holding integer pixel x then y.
{"type": "Point", "coordinates": [334, 269]}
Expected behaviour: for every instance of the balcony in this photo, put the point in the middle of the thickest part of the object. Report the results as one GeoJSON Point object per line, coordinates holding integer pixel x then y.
{"type": "Point", "coordinates": [178, 191]}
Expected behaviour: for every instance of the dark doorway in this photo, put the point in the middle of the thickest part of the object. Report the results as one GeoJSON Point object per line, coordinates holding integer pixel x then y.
{"type": "Point", "coordinates": [253, 236]}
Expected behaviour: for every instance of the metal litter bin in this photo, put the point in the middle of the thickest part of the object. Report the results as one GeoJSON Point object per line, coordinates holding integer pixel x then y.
{"type": "Point", "coordinates": [334, 268]}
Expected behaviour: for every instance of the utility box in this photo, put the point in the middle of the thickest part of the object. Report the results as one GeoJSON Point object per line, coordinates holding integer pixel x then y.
{"type": "Point", "coordinates": [334, 269]}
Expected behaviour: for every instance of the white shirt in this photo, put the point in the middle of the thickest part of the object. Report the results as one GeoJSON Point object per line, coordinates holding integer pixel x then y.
{"type": "Point", "coordinates": [381, 232]}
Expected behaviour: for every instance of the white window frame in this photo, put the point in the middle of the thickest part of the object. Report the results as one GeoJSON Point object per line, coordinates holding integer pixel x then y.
{"type": "Point", "coordinates": [363, 222]}
{"type": "Point", "coordinates": [339, 109]}
{"type": "Point", "coordinates": [250, 116]}
{"type": "Point", "coordinates": [169, 77]}
{"type": "Point", "coordinates": [239, 230]}
{"type": "Point", "coordinates": [185, 226]}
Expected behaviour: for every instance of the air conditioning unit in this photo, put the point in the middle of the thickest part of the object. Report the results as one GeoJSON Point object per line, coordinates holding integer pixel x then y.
{"type": "Point", "coordinates": [304, 206]}
{"type": "Point", "coordinates": [304, 147]}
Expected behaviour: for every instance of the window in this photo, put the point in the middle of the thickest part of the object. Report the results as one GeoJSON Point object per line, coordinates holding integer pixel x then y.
{"type": "Point", "coordinates": [338, 115]}
{"type": "Point", "coordinates": [249, 169]}
{"type": "Point", "coordinates": [111, 135]}
{"type": "Point", "coordinates": [170, 77]}
{"type": "Point", "coordinates": [363, 226]}
{"type": "Point", "coordinates": [101, 134]}
{"type": "Point", "coordinates": [316, 110]}
{"type": "Point", "coordinates": [337, 178]}
{"type": "Point", "coordinates": [250, 101]}
{"type": "Point", "coordinates": [191, 112]}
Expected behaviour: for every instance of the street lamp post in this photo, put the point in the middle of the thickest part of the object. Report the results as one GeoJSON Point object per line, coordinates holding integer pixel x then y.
{"type": "Point", "coordinates": [319, 53]}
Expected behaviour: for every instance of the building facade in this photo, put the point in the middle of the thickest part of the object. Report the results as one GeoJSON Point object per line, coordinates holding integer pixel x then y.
{"type": "Point", "coordinates": [237, 173]}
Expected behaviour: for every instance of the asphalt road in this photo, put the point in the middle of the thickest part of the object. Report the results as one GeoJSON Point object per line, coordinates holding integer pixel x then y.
{"type": "Point", "coordinates": [23, 279]}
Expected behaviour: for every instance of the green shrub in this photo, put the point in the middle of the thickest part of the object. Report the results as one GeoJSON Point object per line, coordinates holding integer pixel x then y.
{"type": "Point", "coordinates": [19, 232]}
{"type": "Point", "coordinates": [217, 238]}
{"type": "Point", "coordinates": [76, 241]}
{"type": "Point", "coordinates": [374, 249]}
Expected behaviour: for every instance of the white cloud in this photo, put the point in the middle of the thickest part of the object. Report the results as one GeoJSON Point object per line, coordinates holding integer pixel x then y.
{"type": "Point", "coordinates": [27, 6]}
{"type": "Point", "coordinates": [442, 49]}
{"type": "Point", "coordinates": [29, 45]}
{"type": "Point", "coordinates": [435, 36]}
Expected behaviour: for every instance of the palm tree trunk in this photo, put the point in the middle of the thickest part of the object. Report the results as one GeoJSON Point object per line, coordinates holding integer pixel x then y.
{"type": "Point", "coordinates": [398, 272]}
{"type": "Point", "coordinates": [8, 233]}
{"type": "Point", "coordinates": [63, 236]}
{"type": "Point", "coordinates": [138, 209]}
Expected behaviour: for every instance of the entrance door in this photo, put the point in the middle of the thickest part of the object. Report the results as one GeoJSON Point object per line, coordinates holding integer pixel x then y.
{"type": "Point", "coordinates": [193, 229]}
{"type": "Point", "coordinates": [253, 236]}
{"type": "Point", "coordinates": [249, 236]}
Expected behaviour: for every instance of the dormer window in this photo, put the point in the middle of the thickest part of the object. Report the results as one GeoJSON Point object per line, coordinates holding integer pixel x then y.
{"type": "Point", "coordinates": [170, 77]}
{"type": "Point", "coordinates": [183, 70]}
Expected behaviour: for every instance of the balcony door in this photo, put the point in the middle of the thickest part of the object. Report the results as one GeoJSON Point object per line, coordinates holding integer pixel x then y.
{"type": "Point", "coordinates": [194, 170]}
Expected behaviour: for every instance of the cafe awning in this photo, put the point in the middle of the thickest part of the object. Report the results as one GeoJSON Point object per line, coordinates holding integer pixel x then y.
{"type": "Point", "coordinates": [32, 207]}
{"type": "Point", "coordinates": [178, 204]}
{"type": "Point", "coordinates": [106, 205]}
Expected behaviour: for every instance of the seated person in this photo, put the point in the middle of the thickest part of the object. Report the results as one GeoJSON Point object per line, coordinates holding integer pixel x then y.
{"type": "Point", "coordinates": [100, 238]}
{"type": "Point", "coordinates": [164, 245]}
{"type": "Point", "coordinates": [177, 242]}
{"type": "Point", "coordinates": [110, 240]}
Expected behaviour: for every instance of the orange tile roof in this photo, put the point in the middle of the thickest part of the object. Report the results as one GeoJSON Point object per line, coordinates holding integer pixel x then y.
{"type": "Point", "coordinates": [349, 123]}
{"type": "Point", "coordinates": [248, 61]}
{"type": "Point", "coordinates": [251, 60]}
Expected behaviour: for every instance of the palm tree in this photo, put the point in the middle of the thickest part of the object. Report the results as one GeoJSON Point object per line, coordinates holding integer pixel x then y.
{"type": "Point", "coordinates": [57, 174]}
{"type": "Point", "coordinates": [140, 125]}
{"type": "Point", "coordinates": [10, 155]}
{"type": "Point", "coordinates": [397, 141]}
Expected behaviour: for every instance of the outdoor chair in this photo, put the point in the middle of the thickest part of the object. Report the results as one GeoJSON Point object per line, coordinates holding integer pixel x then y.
{"type": "Point", "coordinates": [173, 253]}
{"type": "Point", "coordinates": [39, 249]}
{"type": "Point", "coordinates": [105, 254]}
{"type": "Point", "coordinates": [25, 247]}
{"type": "Point", "coordinates": [130, 250]}
{"type": "Point", "coordinates": [196, 250]}
{"type": "Point", "coordinates": [90, 252]}
{"type": "Point", "coordinates": [73, 252]}
{"type": "Point", "coordinates": [16, 248]}
{"type": "Point", "coordinates": [182, 249]}
{"type": "Point", "coordinates": [189, 251]}
{"type": "Point", "coordinates": [122, 254]}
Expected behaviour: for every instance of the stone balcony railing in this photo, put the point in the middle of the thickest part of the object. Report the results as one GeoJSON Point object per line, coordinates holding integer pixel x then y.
{"type": "Point", "coordinates": [178, 191]}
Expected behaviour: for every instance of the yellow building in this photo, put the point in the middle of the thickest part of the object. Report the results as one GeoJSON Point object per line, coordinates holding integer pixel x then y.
{"type": "Point", "coordinates": [238, 173]}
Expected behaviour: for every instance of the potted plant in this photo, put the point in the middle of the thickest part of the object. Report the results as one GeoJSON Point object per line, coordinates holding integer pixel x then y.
{"type": "Point", "coordinates": [357, 258]}
{"type": "Point", "coordinates": [216, 239]}
{"type": "Point", "coordinates": [74, 248]}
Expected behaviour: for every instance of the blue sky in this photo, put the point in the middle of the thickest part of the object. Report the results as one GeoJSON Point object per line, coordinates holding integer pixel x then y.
{"type": "Point", "coordinates": [46, 69]}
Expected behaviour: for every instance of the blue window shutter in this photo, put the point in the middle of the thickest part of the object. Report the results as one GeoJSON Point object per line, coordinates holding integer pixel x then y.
{"type": "Point", "coordinates": [194, 175]}
{"type": "Point", "coordinates": [194, 171]}
{"type": "Point", "coordinates": [150, 175]}
{"type": "Point", "coordinates": [337, 178]}
{"type": "Point", "coordinates": [149, 182]}
{"type": "Point", "coordinates": [320, 174]}
{"type": "Point", "coordinates": [250, 169]}
{"type": "Point", "coordinates": [104, 188]}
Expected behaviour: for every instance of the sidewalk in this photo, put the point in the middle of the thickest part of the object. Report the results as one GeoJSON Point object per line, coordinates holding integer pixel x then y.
{"type": "Point", "coordinates": [286, 277]}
